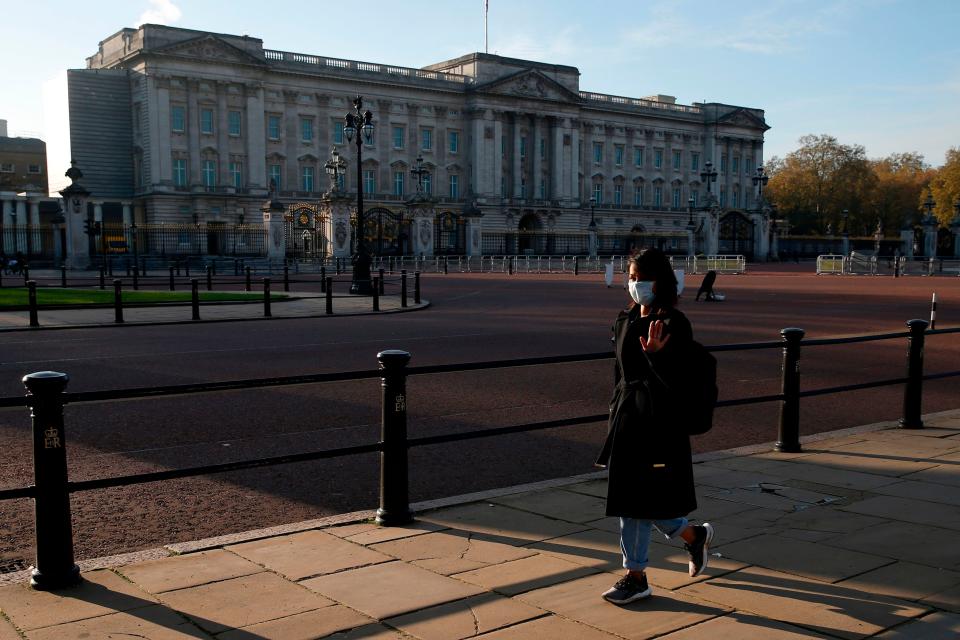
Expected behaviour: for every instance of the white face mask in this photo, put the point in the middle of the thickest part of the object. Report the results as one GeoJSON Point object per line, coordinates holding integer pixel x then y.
{"type": "Point", "coordinates": [641, 291]}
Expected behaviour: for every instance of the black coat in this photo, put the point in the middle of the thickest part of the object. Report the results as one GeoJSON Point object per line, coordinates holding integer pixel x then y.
{"type": "Point", "coordinates": [647, 453]}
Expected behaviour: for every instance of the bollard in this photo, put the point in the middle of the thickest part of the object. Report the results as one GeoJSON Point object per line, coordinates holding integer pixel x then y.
{"type": "Point", "coordinates": [172, 286]}
{"type": "Point", "coordinates": [329, 289]}
{"type": "Point", "coordinates": [266, 298]}
{"type": "Point", "coordinates": [323, 279]}
{"type": "Point", "coordinates": [55, 567]}
{"type": "Point", "coordinates": [143, 267]}
{"type": "Point", "coordinates": [394, 504]}
{"type": "Point", "coordinates": [510, 266]}
{"type": "Point", "coordinates": [338, 266]}
{"type": "Point", "coordinates": [117, 301]}
{"type": "Point", "coordinates": [63, 275]}
{"type": "Point", "coordinates": [376, 293]}
{"type": "Point", "coordinates": [136, 279]}
{"type": "Point", "coordinates": [186, 269]}
{"type": "Point", "coordinates": [247, 284]}
{"type": "Point", "coordinates": [102, 279]}
{"type": "Point", "coordinates": [446, 265]}
{"type": "Point", "coordinates": [195, 297]}
{"type": "Point", "coordinates": [416, 287]}
{"type": "Point", "coordinates": [933, 311]}
{"type": "Point", "coordinates": [788, 438]}
{"type": "Point", "coordinates": [209, 278]}
{"type": "Point", "coordinates": [381, 281]}
{"type": "Point", "coordinates": [576, 265]}
{"type": "Point", "coordinates": [286, 278]}
{"type": "Point", "coordinates": [896, 267]}
{"type": "Point", "coordinates": [913, 390]}
{"type": "Point", "coordinates": [403, 287]}
{"type": "Point", "coordinates": [26, 274]}
{"type": "Point", "coordinates": [32, 303]}
{"type": "Point", "coordinates": [110, 266]}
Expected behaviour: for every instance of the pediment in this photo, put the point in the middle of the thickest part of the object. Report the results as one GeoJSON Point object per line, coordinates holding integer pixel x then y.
{"type": "Point", "coordinates": [211, 48]}
{"type": "Point", "coordinates": [528, 83]}
{"type": "Point", "coordinates": [743, 118]}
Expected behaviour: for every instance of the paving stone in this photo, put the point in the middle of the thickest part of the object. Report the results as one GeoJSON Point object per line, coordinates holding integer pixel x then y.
{"type": "Point", "coordinates": [807, 534]}
{"type": "Point", "coordinates": [596, 488]}
{"type": "Point", "coordinates": [828, 520]}
{"type": "Point", "coordinates": [872, 464]}
{"type": "Point", "coordinates": [465, 618]}
{"type": "Point", "coordinates": [101, 593]}
{"type": "Point", "coordinates": [904, 509]}
{"type": "Point", "coordinates": [605, 524]}
{"type": "Point", "coordinates": [7, 632]}
{"type": "Point", "coordinates": [904, 446]}
{"type": "Point", "coordinates": [450, 552]}
{"type": "Point", "coordinates": [508, 525]}
{"type": "Point", "coordinates": [370, 632]}
{"type": "Point", "coordinates": [305, 554]}
{"type": "Point", "coordinates": [301, 626]}
{"type": "Point", "coordinates": [383, 534]}
{"type": "Point", "coordinates": [190, 570]}
{"type": "Point", "coordinates": [591, 548]}
{"type": "Point", "coordinates": [557, 504]}
{"type": "Point", "coordinates": [802, 558]}
{"type": "Point", "coordinates": [928, 491]}
{"type": "Point", "coordinates": [385, 590]}
{"type": "Point", "coordinates": [517, 576]}
{"type": "Point", "coordinates": [242, 602]}
{"type": "Point", "coordinates": [732, 479]}
{"type": "Point", "coordinates": [828, 609]}
{"type": "Point", "coordinates": [741, 626]}
{"type": "Point", "coordinates": [757, 498]}
{"type": "Point", "coordinates": [549, 628]}
{"type": "Point", "coordinates": [948, 599]}
{"type": "Point", "coordinates": [905, 580]}
{"type": "Point", "coordinates": [347, 530]}
{"type": "Point", "coordinates": [669, 567]}
{"type": "Point", "coordinates": [709, 509]}
{"type": "Point", "coordinates": [928, 545]}
{"type": "Point", "coordinates": [662, 613]}
{"type": "Point", "coordinates": [800, 470]}
{"type": "Point", "coordinates": [936, 626]}
{"type": "Point", "coordinates": [945, 474]}
{"type": "Point", "coordinates": [155, 623]}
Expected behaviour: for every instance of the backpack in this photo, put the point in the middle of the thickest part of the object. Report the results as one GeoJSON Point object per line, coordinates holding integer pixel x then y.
{"type": "Point", "coordinates": [698, 396]}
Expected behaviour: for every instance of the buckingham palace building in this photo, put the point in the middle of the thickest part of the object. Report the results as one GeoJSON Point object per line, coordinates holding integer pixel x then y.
{"type": "Point", "coordinates": [482, 154]}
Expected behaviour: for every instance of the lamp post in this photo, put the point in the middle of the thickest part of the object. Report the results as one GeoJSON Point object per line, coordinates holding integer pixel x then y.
{"type": "Point", "coordinates": [690, 202]}
{"type": "Point", "coordinates": [335, 167]}
{"type": "Point", "coordinates": [708, 175]}
{"type": "Point", "coordinates": [760, 181]}
{"type": "Point", "coordinates": [359, 123]}
{"type": "Point", "coordinates": [419, 172]}
{"type": "Point", "coordinates": [593, 204]}
{"type": "Point", "coordinates": [929, 205]}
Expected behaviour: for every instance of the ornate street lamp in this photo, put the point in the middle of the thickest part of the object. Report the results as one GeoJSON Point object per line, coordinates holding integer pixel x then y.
{"type": "Point", "coordinates": [708, 175]}
{"type": "Point", "coordinates": [593, 204]}
{"type": "Point", "coordinates": [419, 172]}
{"type": "Point", "coordinates": [690, 201]}
{"type": "Point", "coordinates": [929, 205]}
{"type": "Point", "coordinates": [359, 124]}
{"type": "Point", "coordinates": [335, 167]}
{"type": "Point", "coordinates": [760, 181]}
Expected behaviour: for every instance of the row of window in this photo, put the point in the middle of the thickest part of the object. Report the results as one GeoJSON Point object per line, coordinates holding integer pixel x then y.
{"type": "Point", "coordinates": [619, 152]}
{"type": "Point", "coordinates": [10, 167]}
{"type": "Point", "coordinates": [676, 201]}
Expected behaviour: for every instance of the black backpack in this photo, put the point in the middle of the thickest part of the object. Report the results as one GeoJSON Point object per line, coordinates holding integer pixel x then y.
{"type": "Point", "coordinates": [698, 396]}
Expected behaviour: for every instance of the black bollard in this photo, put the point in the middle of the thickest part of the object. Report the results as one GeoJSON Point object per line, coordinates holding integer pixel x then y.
{"type": "Point", "coordinates": [286, 278]}
{"type": "Point", "coordinates": [416, 287]}
{"type": "Point", "coordinates": [172, 286]}
{"type": "Point", "coordinates": [394, 503]}
{"type": "Point", "coordinates": [55, 567]}
{"type": "Point", "coordinates": [913, 390]}
{"type": "Point", "coordinates": [329, 288]}
{"type": "Point", "coordinates": [376, 293]}
{"type": "Point", "coordinates": [118, 301]}
{"type": "Point", "coordinates": [323, 279]}
{"type": "Point", "coordinates": [143, 267]}
{"type": "Point", "coordinates": [32, 303]}
{"type": "Point", "coordinates": [510, 266]}
{"type": "Point", "coordinates": [403, 287]}
{"type": "Point", "coordinates": [788, 438]}
{"type": "Point", "coordinates": [209, 278]}
{"type": "Point", "coordinates": [63, 275]}
{"type": "Point", "coordinates": [103, 284]}
{"type": "Point", "coordinates": [195, 297]}
{"type": "Point", "coordinates": [247, 284]}
{"type": "Point", "coordinates": [446, 265]}
{"type": "Point", "coordinates": [26, 274]}
{"type": "Point", "coordinates": [266, 298]}
{"type": "Point", "coordinates": [136, 279]}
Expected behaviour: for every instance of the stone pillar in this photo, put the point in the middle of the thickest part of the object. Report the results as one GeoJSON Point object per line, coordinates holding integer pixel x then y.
{"type": "Point", "coordinates": [193, 134]}
{"type": "Point", "coordinates": [691, 241]}
{"type": "Point", "coordinates": [273, 223]}
{"type": "Point", "coordinates": [127, 223]}
{"type": "Point", "coordinates": [337, 208]}
{"type": "Point", "coordinates": [421, 213]}
{"type": "Point", "coordinates": [574, 162]}
{"type": "Point", "coordinates": [556, 157]}
{"type": "Point", "coordinates": [906, 239]}
{"type": "Point", "coordinates": [775, 244]}
{"type": "Point", "coordinates": [930, 237]}
{"type": "Point", "coordinates": [536, 175]}
{"type": "Point", "coordinates": [256, 142]}
{"type": "Point", "coordinates": [593, 240]}
{"type": "Point", "coordinates": [711, 232]}
{"type": "Point", "coordinates": [161, 160]}
{"type": "Point", "coordinates": [34, 212]}
{"type": "Point", "coordinates": [22, 223]}
{"type": "Point", "coordinates": [7, 211]}
{"type": "Point", "coordinates": [845, 243]}
{"type": "Point", "coordinates": [78, 243]}
{"type": "Point", "coordinates": [474, 235]}
{"type": "Point", "coordinates": [517, 164]}
{"type": "Point", "coordinates": [498, 157]}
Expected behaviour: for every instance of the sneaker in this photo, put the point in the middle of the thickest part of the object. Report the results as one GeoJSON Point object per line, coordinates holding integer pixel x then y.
{"type": "Point", "coordinates": [699, 548]}
{"type": "Point", "coordinates": [628, 589]}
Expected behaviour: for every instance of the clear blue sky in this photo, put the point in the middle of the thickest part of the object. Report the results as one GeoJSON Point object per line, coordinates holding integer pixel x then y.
{"type": "Point", "coordinates": [881, 73]}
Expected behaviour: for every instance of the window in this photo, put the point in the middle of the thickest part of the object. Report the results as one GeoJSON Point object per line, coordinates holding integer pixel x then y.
{"type": "Point", "coordinates": [677, 157]}
{"type": "Point", "coordinates": [543, 189]}
{"type": "Point", "coordinates": [398, 183]}
{"type": "Point", "coordinates": [33, 168]}
{"type": "Point", "coordinates": [598, 192]}
{"type": "Point", "coordinates": [694, 161]}
{"type": "Point", "coordinates": [398, 137]}
{"type": "Point", "coordinates": [341, 182]}
{"type": "Point", "coordinates": [597, 152]}
{"type": "Point", "coordinates": [618, 155]}
{"type": "Point", "coordinates": [275, 175]}
{"type": "Point", "coordinates": [306, 129]}
{"type": "Point", "coordinates": [236, 174]}
{"type": "Point", "coordinates": [209, 173]}
{"type": "Point", "coordinates": [748, 169]}
{"type": "Point", "coordinates": [657, 197]}
{"type": "Point", "coordinates": [180, 172]}
{"type": "Point", "coordinates": [676, 197]}
{"type": "Point", "coordinates": [426, 139]}
{"type": "Point", "coordinates": [523, 188]}
{"type": "Point", "coordinates": [453, 141]}
{"type": "Point", "coordinates": [234, 119]}
{"type": "Point", "coordinates": [657, 158]}
{"type": "Point", "coordinates": [618, 194]}
{"type": "Point", "coordinates": [454, 186]}
{"type": "Point", "coordinates": [637, 195]}
{"type": "Point", "coordinates": [337, 133]}
{"type": "Point", "coordinates": [723, 197]}
{"type": "Point", "coordinates": [206, 121]}
{"type": "Point", "coordinates": [736, 196]}
{"type": "Point", "coordinates": [428, 184]}
{"type": "Point", "coordinates": [307, 179]}
{"type": "Point", "coordinates": [723, 164]}
{"type": "Point", "coordinates": [177, 118]}
{"type": "Point", "coordinates": [695, 194]}
{"type": "Point", "coordinates": [736, 164]}
{"type": "Point", "coordinates": [369, 181]}
{"type": "Point", "coordinates": [273, 127]}
{"type": "Point", "coordinates": [543, 148]}
{"type": "Point", "coordinates": [638, 156]}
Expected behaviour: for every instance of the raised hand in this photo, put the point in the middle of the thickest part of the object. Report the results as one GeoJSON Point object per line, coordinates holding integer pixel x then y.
{"type": "Point", "coordinates": [656, 338]}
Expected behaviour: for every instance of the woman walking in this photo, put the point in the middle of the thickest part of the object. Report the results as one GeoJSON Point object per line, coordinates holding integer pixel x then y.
{"type": "Point", "coordinates": [650, 479]}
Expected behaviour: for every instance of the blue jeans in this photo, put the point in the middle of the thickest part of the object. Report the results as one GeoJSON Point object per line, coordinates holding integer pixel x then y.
{"type": "Point", "coordinates": [635, 538]}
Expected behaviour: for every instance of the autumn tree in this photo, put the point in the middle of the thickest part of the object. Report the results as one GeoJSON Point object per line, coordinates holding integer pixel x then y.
{"type": "Point", "coordinates": [945, 186]}
{"type": "Point", "coordinates": [902, 179]}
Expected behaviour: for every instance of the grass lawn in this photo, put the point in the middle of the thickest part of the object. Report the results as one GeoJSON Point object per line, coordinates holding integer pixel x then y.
{"type": "Point", "coordinates": [14, 297]}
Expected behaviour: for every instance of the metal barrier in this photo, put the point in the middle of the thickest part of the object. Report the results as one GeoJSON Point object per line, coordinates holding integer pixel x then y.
{"type": "Point", "coordinates": [720, 264]}
{"type": "Point", "coordinates": [830, 264]}
{"type": "Point", "coordinates": [926, 266]}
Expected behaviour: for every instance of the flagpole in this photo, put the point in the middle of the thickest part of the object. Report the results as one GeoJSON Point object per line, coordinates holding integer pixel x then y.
{"type": "Point", "coordinates": [486, 38]}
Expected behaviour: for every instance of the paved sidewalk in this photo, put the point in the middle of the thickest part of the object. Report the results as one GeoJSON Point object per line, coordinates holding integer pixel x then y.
{"type": "Point", "coordinates": [854, 537]}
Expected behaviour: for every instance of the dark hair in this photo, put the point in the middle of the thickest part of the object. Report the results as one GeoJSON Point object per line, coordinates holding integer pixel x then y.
{"type": "Point", "coordinates": [654, 264]}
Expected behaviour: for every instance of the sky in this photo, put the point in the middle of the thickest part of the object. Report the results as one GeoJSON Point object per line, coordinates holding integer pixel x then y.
{"type": "Point", "coordinates": [884, 74]}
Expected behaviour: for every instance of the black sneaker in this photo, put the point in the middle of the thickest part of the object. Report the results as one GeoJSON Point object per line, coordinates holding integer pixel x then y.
{"type": "Point", "coordinates": [699, 548]}
{"type": "Point", "coordinates": [628, 589]}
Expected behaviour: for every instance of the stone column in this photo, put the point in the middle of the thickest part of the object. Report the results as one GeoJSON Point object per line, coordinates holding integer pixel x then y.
{"type": "Point", "coordinates": [761, 236]}
{"type": "Point", "coordinates": [224, 178]}
{"type": "Point", "coordinates": [193, 133]}
{"type": "Point", "coordinates": [930, 237]}
{"type": "Point", "coordinates": [256, 141]}
{"type": "Point", "coordinates": [22, 223]}
{"type": "Point", "coordinates": [127, 222]}
{"type": "Point", "coordinates": [273, 223]}
{"type": "Point", "coordinates": [517, 164]}
{"type": "Point", "coordinates": [474, 235]}
{"type": "Point", "coordinates": [906, 239]}
{"type": "Point", "coordinates": [845, 243]}
{"type": "Point", "coordinates": [78, 251]}
{"type": "Point", "coordinates": [574, 162]}
{"type": "Point", "coordinates": [498, 156]}
{"type": "Point", "coordinates": [7, 210]}
{"type": "Point", "coordinates": [537, 173]}
{"type": "Point", "coordinates": [421, 213]}
{"type": "Point", "coordinates": [556, 157]}
{"type": "Point", "coordinates": [593, 240]}
{"type": "Point", "coordinates": [161, 160]}
{"type": "Point", "coordinates": [337, 208]}
{"type": "Point", "coordinates": [479, 166]}
{"type": "Point", "coordinates": [711, 231]}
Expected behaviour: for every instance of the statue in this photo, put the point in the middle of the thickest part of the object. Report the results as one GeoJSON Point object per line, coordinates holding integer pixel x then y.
{"type": "Point", "coordinates": [829, 228]}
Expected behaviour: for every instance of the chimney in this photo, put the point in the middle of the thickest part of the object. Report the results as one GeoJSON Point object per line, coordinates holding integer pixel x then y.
{"type": "Point", "coordinates": [3, 128]}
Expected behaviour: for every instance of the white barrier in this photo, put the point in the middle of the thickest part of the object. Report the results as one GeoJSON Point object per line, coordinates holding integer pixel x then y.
{"type": "Point", "coordinates": [720, 264]}
{"type": "Point", "coordinates": [830, 264]}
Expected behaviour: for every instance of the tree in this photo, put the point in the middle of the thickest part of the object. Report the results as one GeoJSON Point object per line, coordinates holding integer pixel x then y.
{"type": "Point", "coordinates": [902, 179]}
{"type": "Point", "coordinates": [945, 186]}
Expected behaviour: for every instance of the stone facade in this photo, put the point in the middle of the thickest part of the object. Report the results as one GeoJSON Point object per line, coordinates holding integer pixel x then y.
{"type": "Point", "coordinates": [23, 165]}
{"type": "Point", "coordinates": [212, 119]}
